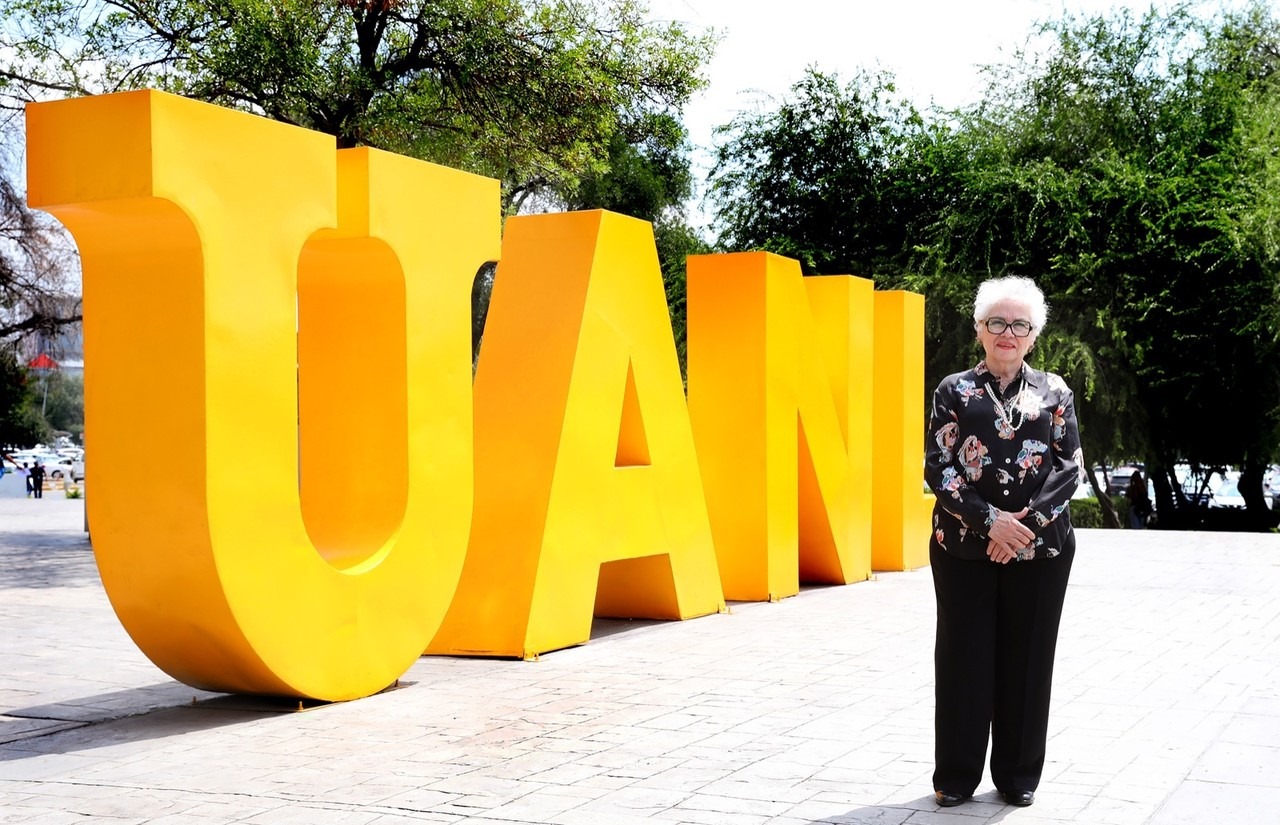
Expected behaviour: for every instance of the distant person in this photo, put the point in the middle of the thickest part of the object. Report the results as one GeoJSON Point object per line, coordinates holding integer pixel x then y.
{"type": "Point", "coordinates": [1139, 502]}
{"type": "Point", "coordinates": [1003, 459]}
{"type": "Point", "coordinates": [25, 472]}
{"type": "Point", "coordinates": [37, 480]}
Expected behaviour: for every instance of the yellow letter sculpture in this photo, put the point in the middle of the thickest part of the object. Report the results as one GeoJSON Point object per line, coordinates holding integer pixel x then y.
{"type": "Point", "coordinates": [292, 326]}
{"type": "Point", "coordinates": [780, 400]}
{"type": "Point", "coordinates": [586, 473]}
{"type": "Point", "coordinates": [220, 252]}
{"type": "Point", "coordinates": [902, 508]}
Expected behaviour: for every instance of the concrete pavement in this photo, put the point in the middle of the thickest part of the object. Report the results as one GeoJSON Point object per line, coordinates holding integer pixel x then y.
{"type": "Point", "coordinates": [814, 710]}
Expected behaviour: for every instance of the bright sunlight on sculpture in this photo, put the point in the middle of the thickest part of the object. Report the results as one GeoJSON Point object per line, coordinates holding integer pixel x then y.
{"type": "Point", "coordinates": [278, 312]}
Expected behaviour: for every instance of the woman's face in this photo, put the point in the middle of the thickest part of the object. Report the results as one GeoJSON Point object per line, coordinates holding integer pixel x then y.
{"type": "Point", "coordinates": [1006, 350]}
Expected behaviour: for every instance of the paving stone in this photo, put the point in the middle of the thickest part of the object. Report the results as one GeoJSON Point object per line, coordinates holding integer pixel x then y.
{"type": "Point", "coordinates": [1238, 765]}
{"type": "Point", "coordinates": [1196, 803]}
{"type": "Point", "coordinates": [726, 807]}
{"type": "Point", "coordinates": [814, 710]}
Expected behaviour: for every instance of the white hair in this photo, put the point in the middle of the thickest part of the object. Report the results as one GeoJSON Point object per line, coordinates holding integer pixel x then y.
{"type": "Point", "coordinates": [1011, 288]}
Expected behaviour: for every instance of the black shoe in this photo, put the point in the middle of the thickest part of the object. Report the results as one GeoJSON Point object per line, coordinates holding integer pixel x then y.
{"type": "Point", "coordinates": [949, 800]}
{"type": "Point", "coordinates": [1020, 798]}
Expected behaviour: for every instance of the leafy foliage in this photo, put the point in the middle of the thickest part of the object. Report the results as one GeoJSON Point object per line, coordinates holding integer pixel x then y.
{"type": "Point", "coordinates": [20, 421]}
{"type": "Point", "coordinates": [649, 180]}
{"type": "Point", "coordinates": [61, 403]}
{"type": "Point", "coordinates": [1129, 166]}
{"type": "Point", "coordinates": [652, 181]}
{"type": "Point", "coordinates": [526, 91]}
{"type": "Point", "coordinates": [549, 96]}
{"type": "Point", "coordinates": [1119, 173]}
{"type": "Point", "coordinates": [825, 179]}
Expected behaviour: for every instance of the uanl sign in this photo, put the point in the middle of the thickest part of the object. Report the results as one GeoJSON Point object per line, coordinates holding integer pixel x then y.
{"type": "Point", "coordinates": [293, 324]}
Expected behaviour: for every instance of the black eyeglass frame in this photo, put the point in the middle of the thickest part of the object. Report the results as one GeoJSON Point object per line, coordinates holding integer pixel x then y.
{"type": "Point", "coordinates": [1000, 325]}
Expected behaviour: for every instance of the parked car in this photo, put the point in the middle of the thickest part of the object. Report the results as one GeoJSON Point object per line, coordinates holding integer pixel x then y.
{"type": "Point", "coordinates": [1120, 477]}
{"type": "Point", "coordinates": [60, 467]}
{"type": "Point", "coordinates": [55, 466]}
{"type": "Point", "coordinates": [30, 457]}
{"type": "Point", "coordinates": [1226, 493]}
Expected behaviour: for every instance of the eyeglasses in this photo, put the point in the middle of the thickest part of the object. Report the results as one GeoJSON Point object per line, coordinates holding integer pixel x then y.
{"type": "Point", "coordinates": [997, 326]}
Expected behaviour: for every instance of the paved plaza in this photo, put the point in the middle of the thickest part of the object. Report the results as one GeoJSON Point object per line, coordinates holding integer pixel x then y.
{"type": "Point", "coordinates": [813, 710]}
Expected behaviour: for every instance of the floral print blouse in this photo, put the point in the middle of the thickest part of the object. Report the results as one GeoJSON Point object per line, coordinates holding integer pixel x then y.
{"type": "Point", "coordinates": [977, 462]}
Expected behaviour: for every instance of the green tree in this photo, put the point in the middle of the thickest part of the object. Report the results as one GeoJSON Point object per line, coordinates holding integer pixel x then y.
{"type": "Point", "coordinates": [826, 178]}
{"type": "Point", "coordinates": [61, 403]}
{"type": "Point", "coordinates": [20, 422]}
{"type": "Point", "coordinates": [527, 91]}
{"type": "Point", "coordinates": [676, 241]}
{"type": "Point", "coordinates": [652, 180]}
{"type": "Point", "coordinates": [1128, 164]}
{"type": "Point", "coordinates": [1118, 169]}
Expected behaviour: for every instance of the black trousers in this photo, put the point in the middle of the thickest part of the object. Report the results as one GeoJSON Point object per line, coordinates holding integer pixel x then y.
{"type": "Point", "coordinates": [993, 666]}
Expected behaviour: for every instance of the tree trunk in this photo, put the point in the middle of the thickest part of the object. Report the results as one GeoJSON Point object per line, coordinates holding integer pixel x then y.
{"type": "Point", "coordinates": [1167, 493]}
{"type": "Point", "coordinates": [481, 294]}
{"type": "Point", "coordinates": [1109, 517]}
{"type": "Point", "coordinates": [1250, 484]}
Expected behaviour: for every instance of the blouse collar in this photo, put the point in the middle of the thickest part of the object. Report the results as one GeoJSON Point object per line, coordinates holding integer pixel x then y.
{"type": "Point", "coordinates": [1032, 376]}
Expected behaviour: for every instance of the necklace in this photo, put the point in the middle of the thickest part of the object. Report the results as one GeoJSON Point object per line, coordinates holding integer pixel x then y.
{"type": "Point", "coordinates": [1015, 403]}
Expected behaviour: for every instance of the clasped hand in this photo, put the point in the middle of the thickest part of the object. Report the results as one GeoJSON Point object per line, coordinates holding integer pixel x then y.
{"type": "Point", "coordinates": [1008, 535]}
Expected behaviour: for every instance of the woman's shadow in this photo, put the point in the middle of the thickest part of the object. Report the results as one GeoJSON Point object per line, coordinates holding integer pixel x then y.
{"type": "Point", "coordinates": [982, 809]}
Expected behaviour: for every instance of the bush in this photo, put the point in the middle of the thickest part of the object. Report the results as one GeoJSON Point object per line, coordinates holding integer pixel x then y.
{"type": "Point", "coordinates": [1087, 512]}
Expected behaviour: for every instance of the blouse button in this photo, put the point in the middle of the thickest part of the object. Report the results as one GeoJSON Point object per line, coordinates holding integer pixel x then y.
{"type": "Point", "coordinates": [1008, 460]}
{"type": "Point", "coordinates": [1006, 492]}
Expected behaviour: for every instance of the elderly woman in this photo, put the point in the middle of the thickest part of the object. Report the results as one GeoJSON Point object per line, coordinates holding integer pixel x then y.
{"type": "Point", "coordinates": [1003, 458]}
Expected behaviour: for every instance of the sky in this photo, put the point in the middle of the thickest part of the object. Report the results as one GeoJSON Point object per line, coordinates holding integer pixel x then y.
{"type": "Point", "coordinates": [934, 48]}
